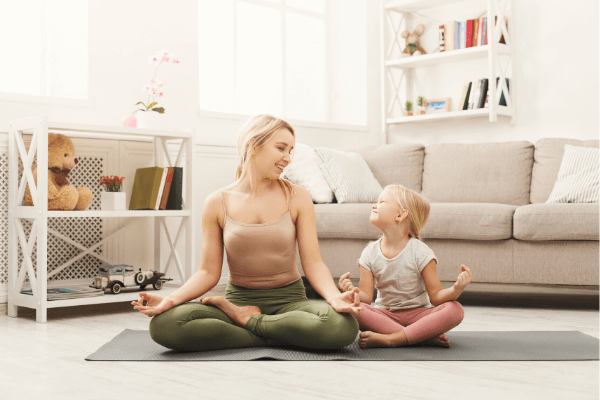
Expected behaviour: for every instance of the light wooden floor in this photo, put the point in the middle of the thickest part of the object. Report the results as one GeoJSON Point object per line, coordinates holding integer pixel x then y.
{"type": "Point", "coordinates": [47, 361]}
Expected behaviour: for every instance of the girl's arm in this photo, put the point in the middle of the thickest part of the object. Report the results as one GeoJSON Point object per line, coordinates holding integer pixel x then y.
{"type": "Point", "coordinates": [437, 294]}
{"type": "Point", "coordinates": [366, 285]}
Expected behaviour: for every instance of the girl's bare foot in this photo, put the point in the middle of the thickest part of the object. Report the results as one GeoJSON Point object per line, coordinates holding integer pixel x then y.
{"type": "Point", "coordinates": [440, 340]}
{"type": "Point", "coordinates": [239, 315]}
{"type": "Point", "coordinates": [372, 339]}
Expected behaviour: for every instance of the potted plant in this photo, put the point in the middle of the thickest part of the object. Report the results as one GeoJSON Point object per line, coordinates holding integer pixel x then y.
{"type": "Point", "coordinates": [149, 116]}
{"type": "Point", "coordinates": [421, 103]}
{"type": "Point", "coordinates": [409, 108]}
{"type": "Point", "coordinates": [112, 199]}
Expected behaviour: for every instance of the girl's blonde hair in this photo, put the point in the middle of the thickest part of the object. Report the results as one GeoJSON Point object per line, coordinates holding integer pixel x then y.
{"type": "Point", "coordinates": [254, 133]}
{"type": "Point", "coordinates": [416, 205]}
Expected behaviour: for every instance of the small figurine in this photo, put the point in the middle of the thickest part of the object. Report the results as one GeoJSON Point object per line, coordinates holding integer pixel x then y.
{"type": "Point", "coordinates": [412, 42]}
{"type": "Point", "coordinates": [115, 277]}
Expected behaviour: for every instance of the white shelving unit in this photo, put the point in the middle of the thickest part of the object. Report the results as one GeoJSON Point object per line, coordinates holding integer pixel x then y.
{"type": "Point", "coordinates": [39, 213]}
{"type": "Point", "coordinates": [496, 53]}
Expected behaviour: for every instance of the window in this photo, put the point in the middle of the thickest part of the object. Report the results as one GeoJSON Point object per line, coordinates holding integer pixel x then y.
{"type": "Point", "coordinates": [297, 59]}
{"type": "Point", "coordinates": [44, 47]}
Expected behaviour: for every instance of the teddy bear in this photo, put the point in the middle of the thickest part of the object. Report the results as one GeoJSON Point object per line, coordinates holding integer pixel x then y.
{"type": "Point", "coordinates": [61, 194]}
{"type": "Point", "coordinates": [412, 42]}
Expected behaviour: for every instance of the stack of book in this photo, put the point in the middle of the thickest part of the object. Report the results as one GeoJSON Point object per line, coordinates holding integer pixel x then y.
{"type": "Point", "coordinates": [464, 34]}
{"type": "Point", "coordinates": [157, 188]}
{"type": "Point", "coordinates": [68, 292]}
{"type": "Point", "coordinates": [475, 94]}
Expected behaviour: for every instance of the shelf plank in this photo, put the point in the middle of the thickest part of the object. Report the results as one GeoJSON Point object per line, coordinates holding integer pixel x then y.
{"type": "Point", "coordinates": [124, 213]}
{"type": "Point", "coordinates": [480, 112]}
{"type": "Point", "coordinates": [471, 53]}
{"type": "Point", "coordinates": [115, 130]}
{"type": "Point", "coordinates": [416, 5]}
{"type": "Point", "coordinates": [128, 294]}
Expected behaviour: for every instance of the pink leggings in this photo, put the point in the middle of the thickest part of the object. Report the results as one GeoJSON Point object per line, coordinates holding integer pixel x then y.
{"type": "Point", "coordinates": [418, 324]}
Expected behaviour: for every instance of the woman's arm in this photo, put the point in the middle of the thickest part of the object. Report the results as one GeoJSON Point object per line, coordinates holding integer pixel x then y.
{"type": "Point", "coordinates": [314, 268]}
{"type": "Point", "coordinates": [211, 261]}
{"type": "Point", "coordinates": [437, 294]}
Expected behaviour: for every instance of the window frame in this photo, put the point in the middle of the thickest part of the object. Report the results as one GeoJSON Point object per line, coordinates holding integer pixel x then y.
{"type": "Point", "coordinates": [283, 8]}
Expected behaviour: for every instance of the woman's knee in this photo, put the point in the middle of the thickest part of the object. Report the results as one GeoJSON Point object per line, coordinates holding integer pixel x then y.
{"type": "Point", "coordinates": [340, 330]}
{"type": "Point", "coordinates": [162, 327]}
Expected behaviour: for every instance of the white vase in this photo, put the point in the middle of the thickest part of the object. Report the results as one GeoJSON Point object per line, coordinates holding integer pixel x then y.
{"type": "Point", "coordinates": [113, 201]}
{"type": "Point", "coordinates": [150, 120]}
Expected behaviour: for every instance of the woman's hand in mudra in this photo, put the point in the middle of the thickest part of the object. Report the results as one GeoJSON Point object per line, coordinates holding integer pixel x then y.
{"type": "Point", "coordinates": [152, 304]}
{"type": "Point", "coordinates": [347, 302]}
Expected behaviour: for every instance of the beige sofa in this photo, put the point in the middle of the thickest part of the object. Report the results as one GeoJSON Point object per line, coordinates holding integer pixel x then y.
{"type": "Point", "coordinates": [488, 212]}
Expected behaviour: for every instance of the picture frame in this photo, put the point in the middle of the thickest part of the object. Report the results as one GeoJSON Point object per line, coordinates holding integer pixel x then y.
{"type": "Point", "coordinates": [437, 106]}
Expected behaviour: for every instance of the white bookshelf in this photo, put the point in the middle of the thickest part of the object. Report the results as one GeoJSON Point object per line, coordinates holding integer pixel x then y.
{"type": "Point", "coordinates": [499, 56]}
{"type": "Point", "coordinates": [38, 214]}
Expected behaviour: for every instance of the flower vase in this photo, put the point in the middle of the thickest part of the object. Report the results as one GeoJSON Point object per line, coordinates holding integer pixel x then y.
{"type": "Point", "coordinates": [113, 201]}
{"type": "Point", "coordinates": [150, 120]}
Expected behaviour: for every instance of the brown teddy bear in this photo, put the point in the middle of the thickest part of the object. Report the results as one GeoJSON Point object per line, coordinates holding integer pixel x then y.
{"type": "Point", "coordinates": [412, 42]}
{"type": "Point", "coordinates": [61, 195]}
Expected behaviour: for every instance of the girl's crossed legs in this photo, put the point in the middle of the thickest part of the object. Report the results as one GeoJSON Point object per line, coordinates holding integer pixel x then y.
{"type": "Point", "coordinates": [382, 327]}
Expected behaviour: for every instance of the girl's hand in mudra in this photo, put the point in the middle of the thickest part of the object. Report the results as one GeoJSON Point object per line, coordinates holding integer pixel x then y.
{"type": "Point", "coordinates": [152, 304]}
{"type": "Point", "coordinates": [347, 302]}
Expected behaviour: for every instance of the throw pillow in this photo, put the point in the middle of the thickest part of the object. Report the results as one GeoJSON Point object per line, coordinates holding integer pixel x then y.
{"type": "Point", "coordinates": [577, 180]}
{"type": "Point", "coordinates": [348, 176]}
{"type": "Point", "coordinates": [304, 171]}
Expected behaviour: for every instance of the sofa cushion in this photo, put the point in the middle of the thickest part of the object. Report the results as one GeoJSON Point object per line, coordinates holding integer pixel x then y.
{"type": "Point", "coordinates": [345, 221]}
{"type": "Point", "coordinates": [348, 176]}
{"type": "Point", "coordinates": [469, 221]}
{"type": "Point", "coordinates": [478, 173]}
{"type": "Point", "coordinates": [557, 221]}
{"type": "Point", "coordinates": [479, 221]}
{"type": "Point", "coordinates": [395, 164]}
{"type": "Point", "coordinates": [548, 156]}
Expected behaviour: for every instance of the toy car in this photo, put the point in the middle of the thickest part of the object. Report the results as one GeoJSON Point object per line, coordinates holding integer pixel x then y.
{"type": "Point", "coordinates": [116, 277]}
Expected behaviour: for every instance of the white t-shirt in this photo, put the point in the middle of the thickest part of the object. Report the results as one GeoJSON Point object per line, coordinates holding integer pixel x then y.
{"type": "Point", "coordinates": [398, 280]}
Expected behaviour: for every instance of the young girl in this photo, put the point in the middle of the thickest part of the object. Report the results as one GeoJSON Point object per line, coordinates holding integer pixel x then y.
{"type": "Point", "coordinates": [411, 306]}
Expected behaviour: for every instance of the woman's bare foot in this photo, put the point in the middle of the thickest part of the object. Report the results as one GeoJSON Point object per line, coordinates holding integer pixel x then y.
{"type": "Point", "coordinates": [239, 315]}
{"type": "Point", "coordinates": [440, 340]}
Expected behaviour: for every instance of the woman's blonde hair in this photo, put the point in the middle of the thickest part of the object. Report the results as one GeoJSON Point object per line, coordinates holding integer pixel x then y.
{"type": "Point", "coordinates": [416, 205]}
{"type": "Point", "coordinates": [253, 134]}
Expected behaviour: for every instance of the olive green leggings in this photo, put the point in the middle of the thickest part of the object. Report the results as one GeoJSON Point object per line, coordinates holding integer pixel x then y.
{"type": "Point", "coordinates": [287, 317]}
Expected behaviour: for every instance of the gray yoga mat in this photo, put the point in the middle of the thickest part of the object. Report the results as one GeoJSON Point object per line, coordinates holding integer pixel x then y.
{"type": "Point", "coordinates": [137, 345]}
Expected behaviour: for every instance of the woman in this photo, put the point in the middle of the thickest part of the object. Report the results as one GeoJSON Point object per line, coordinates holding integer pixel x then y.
{"type": "Point", "coordinates": [258, 220]}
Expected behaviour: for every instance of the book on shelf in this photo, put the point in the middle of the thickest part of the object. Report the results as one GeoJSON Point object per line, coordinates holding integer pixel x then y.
{"type": "Point", "coordinates": [456, 35]}
{"type": "Point", "coordinates": [502, 99]}
{"type": "Point", "coordinates": [482, 94]}
{"type": "Point", "coordinates": [463, 104]}
{"type": "Point", "coordinates": [146, 187]}
{"type": "Point", "coordinates": [161, 189]}
{"type": "Point", "coordinates": [167, 189]}
{"type": "Point", "coordinates": [473, 94]}
{"type": "Point", "coordinates": [469, 32]}
{"type": "Point", "coordinates": [174, 201]}
{"type": "Point", "coordinates": [69, 292]}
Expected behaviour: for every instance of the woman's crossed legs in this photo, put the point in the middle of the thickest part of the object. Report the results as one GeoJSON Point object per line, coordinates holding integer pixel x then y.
{"type": "Point", "coordinates": [216, 324]}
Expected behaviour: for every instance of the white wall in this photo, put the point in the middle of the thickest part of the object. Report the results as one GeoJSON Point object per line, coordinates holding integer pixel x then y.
{"type": "Point", "coordinates": [556, 66]}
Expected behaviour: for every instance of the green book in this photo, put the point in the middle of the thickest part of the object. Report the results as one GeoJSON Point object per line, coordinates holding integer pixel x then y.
{"type": "Point", "coordinates": [145, 188]}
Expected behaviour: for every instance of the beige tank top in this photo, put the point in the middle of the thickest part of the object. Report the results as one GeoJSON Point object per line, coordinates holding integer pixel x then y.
{"type": "Point", "coordinates": [261, 256]}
